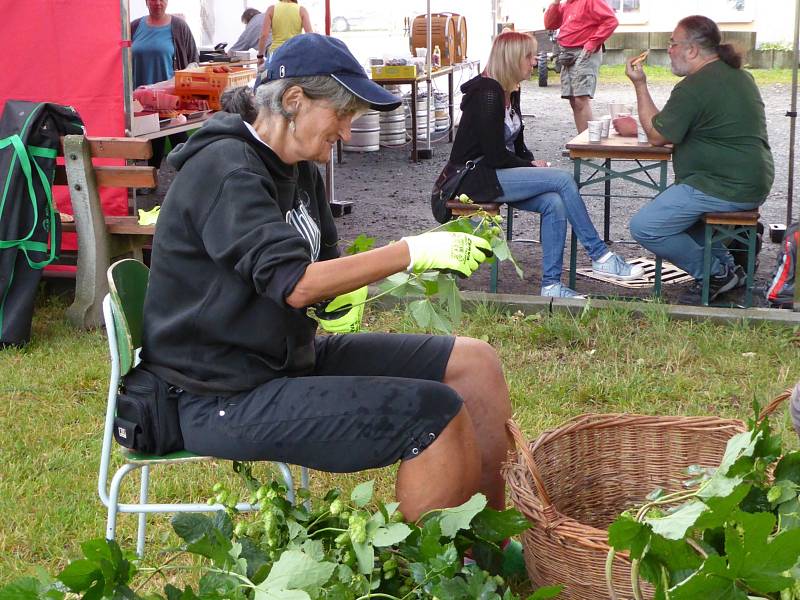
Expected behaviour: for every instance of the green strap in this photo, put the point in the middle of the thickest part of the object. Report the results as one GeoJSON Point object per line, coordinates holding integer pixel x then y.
{"type": "Point", "coordinates": [25, 244]}
{"type": "Point", "coordinates": [47, 184]}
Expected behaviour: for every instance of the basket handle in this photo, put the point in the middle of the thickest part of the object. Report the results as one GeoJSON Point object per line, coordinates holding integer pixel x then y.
{"type": "Point", "coordinates": [527, 456]}
{"type": "Point", "coordinates": [770, 408]}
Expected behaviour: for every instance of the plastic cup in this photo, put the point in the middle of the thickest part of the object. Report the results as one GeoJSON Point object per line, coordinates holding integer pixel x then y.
{"type": "Point", "coordinates": [614, 108]}
{"type": "Point", "coordinates": [606, 121]}
{"type": "Point", "coordinates": [595, 131]}
{"type": "Point", "coordinates": [641, 135]}
{"type": "Point", "coordinates": [422, 52]}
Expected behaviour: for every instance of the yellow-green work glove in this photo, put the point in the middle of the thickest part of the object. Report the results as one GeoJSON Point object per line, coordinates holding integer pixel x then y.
{"type": "Point", "coordinates": [343, 313]}
{"type": "Point", "coordinates": [149, 217]}
{"type": "Point", "coordinates": [447, 251]}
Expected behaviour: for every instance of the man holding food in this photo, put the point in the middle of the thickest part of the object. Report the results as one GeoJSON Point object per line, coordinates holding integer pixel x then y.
{"type": "Point", "coordinates": [715, 119]}
{"type": "Point", "coordinates": [583, 26]}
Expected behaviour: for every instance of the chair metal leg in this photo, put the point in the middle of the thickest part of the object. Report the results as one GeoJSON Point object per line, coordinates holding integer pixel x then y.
{"type": "Point", "coordinates": [657, 286]}
{"type": "Point", "coordinates": [143, 488]}
{"type": "Point", "coordinates": [509, 223]}
{"type": "Point", "coordinates": [494, 276]}
{"type": "Point", "coordinates": [113, 498]}
{"type": "Point", "coordinates": [707, 264]}
{"type": "Point", "coordinates": [573, 258]}
{"type": "Point", "coordinates": [304, 483]}
{"type": "Point", "coordinates": [287, 478]}
{"type": "Point", "coordinates": [752, 235]}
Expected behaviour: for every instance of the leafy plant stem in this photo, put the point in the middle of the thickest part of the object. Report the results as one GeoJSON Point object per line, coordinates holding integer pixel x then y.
{"type": "Point", "coordinates": [610, 573]}
{"type": "Point", "coordinates": [319, 518]}
{"type": "Point", "coordinates": [668, 499]}
{"type": "Point", "coordinates": [636, 585]}
{"type": "Point", "coordinates": [158, 570]}
{"type": "Point", "coordinates": [697, 548]}
{"type": "Point", "coordinates": [326, 529]}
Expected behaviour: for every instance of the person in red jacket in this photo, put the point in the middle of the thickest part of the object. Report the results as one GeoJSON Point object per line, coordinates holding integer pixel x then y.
{"type": "Point", "coordinates": [583, 27]}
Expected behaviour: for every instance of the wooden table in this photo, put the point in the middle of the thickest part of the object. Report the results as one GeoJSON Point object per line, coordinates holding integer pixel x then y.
{"type": "Point", "coordinates": [598, 159]}
{"type": "Point", "coordinates": [414, 83]}
{"type": "Point", "coordinates": [165, 131]}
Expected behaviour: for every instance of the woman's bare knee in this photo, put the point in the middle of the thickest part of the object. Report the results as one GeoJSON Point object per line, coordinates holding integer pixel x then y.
{"type": "Point", "coordinates": [470, 359]}
{"type": "Point", "coordinates": [445, 474]}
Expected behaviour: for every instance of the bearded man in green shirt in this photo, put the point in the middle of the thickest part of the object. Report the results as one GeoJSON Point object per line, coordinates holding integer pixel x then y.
{"type": "Point", "coordinates": [715, 119]}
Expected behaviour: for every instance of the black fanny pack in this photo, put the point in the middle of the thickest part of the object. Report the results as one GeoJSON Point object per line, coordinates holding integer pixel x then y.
{"type": "Point", "coordinates": [147, 414]}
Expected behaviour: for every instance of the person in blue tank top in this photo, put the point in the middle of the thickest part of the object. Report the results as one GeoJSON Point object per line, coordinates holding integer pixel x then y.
{"type": "Point", "coordinates": [160, 45]}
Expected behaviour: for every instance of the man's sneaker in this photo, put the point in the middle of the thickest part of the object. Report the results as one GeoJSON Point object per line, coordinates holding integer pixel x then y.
{"type": "Point", "coordinates": [557, 290]}
{"type": "Point", "coordinates": [741, 275]}
{"type": "Point", "coordinates": [616, 267]}
{"type": "Point", "coordinates": [724, 282]}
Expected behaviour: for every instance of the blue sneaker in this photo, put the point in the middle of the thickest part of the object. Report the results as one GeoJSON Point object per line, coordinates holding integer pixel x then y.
{"type": "Point", "coordinates": [557, 290]}
{"type": "Point", "coordinates": [616, 267]}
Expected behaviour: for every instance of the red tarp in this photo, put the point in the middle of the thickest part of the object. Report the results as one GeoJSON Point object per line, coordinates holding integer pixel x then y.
{"type": "Point", "coordinates": [68, 52]}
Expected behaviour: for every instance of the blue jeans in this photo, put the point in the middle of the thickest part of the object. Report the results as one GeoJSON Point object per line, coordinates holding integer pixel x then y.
{"type": "Point", "coordinates": [670, 227]}
{"type": "Point", "coordinates": [553, 194]}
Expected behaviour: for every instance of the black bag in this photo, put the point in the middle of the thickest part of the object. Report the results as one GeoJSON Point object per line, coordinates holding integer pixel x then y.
{"type": "Point", "coordinates": [147, 414]}
{"type": "Point", "coordinates": [29, 224]}
{"type": "Point", "coordinates": [781, 292]}
{"type": "Point", "coordinates": [446, 188]}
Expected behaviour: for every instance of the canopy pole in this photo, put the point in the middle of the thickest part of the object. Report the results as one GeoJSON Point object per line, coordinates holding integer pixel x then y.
{"type": "Point", "coordinates": [127, 68]}
{"type": "Point", "coordinates": [429, 63]}
{"type": "Point", "coordinates": [792, 114]}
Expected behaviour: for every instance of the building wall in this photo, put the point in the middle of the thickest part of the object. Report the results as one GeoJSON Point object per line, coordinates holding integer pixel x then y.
{"type": "Point", "coordinates": [771, 19]}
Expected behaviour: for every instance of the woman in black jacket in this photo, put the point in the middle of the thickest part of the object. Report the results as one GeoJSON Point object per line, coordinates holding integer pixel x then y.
{"type": "Point", "coordinates": [246, 243]}
{"type": "Point", "coordinates": [492, 128]}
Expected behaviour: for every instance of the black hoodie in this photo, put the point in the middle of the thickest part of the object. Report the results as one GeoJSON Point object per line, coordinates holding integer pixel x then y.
{"type": "Point", "coordinates": [481, 133]}
{"type": "Point", "coordinates": [224, 260]}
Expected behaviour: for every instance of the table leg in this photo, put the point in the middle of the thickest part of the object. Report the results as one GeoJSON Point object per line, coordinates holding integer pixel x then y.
{"type": "Point", "coordinates": [662, 185]}
{"type": "Point", "coordinates": [414, 156]}
{"type": "Point", "coordinates": [573, 243]}
{"type": "Point", "coordinates": [607, 204]}
{"type": "Point", "coordinates": [451, 111]}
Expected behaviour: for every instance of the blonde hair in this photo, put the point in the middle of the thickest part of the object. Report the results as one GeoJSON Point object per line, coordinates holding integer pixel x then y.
{"type": "Point", "coordinates": [508, 50]}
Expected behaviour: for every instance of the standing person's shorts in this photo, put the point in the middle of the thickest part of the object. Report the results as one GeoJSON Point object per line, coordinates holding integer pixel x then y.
{"type": "Point", "coordinates": [580, 78]}
{"type": "Point", "coordinates": [372, 400]}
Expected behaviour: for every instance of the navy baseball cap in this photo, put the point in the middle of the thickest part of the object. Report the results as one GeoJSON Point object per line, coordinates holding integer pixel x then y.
{"type": "Point", "coordinates": [310, 54]}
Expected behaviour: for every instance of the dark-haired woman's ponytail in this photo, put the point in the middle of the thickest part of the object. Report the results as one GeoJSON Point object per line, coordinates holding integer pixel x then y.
{"type": "Point", "coordinates": [240, 101]}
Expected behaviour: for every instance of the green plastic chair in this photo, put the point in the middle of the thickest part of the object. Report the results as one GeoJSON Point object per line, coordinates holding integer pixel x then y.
{"type": "Point", "coordinates": [122, 311]}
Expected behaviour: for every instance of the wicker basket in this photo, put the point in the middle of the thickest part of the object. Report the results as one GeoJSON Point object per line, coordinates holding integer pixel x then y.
{"type": "Point", "coordinates": [572, 482]}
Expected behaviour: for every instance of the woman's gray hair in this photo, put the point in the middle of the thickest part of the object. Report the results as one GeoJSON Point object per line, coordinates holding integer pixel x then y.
{"type": "Point", "coordinates": [269, 95]}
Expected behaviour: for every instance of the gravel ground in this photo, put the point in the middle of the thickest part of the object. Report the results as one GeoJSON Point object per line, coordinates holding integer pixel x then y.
{"type": "Point", "coordinates": [390, 194]}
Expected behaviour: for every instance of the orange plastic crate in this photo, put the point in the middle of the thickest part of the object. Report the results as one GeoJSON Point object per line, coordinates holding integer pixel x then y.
{"type": "Point", "coordinates": [213, 98]}
{"type": "Point", "coordinates": [202, 80]}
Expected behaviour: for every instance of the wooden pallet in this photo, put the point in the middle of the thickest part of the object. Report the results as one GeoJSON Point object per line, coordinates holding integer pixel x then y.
{"type": "Point", "coordinates": [670, 274]}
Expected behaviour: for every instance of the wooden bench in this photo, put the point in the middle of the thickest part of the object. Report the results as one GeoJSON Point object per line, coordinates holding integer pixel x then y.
{"type": "Point", "coordinates": [741, 226]}
{"type": "Point", "coordinates": [101, 238]}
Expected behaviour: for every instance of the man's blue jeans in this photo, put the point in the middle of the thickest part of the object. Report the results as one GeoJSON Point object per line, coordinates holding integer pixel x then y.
{"type": "Point", "coordinates": [553, 194]}
{"type": "Point", "coordinates": [670, 227]}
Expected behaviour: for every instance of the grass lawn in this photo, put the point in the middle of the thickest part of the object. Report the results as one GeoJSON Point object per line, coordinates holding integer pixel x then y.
{"type": "Point", "coordinates": [616, 74]}
{"type": "Point", "coordinates": [53, 401]}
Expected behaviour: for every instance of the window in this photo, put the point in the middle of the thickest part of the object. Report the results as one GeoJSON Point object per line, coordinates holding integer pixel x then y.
{"type": "Point", "coordinates": [625, 6]}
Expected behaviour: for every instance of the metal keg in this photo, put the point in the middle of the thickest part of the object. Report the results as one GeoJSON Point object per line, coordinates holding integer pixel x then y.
{"type": "Point", "coordinates": [393, 127]}
{"type": "Point", "coordinates": [426, 120]}
{"type": "Point", "coordinates": [364, 133]}
{"type": "Point", "coordinates": [441, 111]}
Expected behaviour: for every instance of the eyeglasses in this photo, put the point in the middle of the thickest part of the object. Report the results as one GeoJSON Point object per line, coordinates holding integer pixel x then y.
{"type": "Point", "coordinates": [672, 43]}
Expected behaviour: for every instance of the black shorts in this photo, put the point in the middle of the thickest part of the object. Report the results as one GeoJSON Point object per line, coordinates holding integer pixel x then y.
{"type": "Point", "coordinates": [372, 400]}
